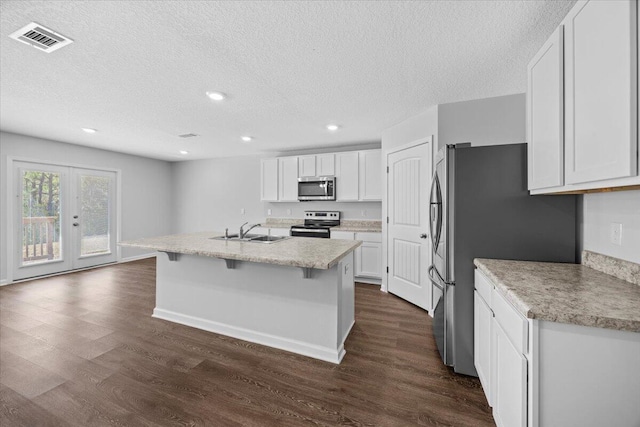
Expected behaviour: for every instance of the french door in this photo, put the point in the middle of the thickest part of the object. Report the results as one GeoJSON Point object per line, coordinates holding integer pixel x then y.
{"type": "Point", "coordinates": [64, 218]}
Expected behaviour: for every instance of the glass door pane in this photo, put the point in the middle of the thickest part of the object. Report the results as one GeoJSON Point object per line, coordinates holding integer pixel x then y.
{"type": "Point", "coordinates": [94, 205]}
{"type": "Point", "coordinates": [41, 238]}
{"type": "Point", "coordinates": [94, 217]}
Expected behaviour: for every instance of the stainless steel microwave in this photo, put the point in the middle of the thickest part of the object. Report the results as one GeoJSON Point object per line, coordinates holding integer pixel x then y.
{"type": "Point", "coordinates": [317, 188]}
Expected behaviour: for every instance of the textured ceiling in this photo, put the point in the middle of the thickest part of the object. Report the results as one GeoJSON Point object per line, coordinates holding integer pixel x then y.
{"type": "Point", "coordinates": [138, 70]}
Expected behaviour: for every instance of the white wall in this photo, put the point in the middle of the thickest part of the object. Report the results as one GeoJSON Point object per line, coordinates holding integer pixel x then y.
{"type": "Point", "coordinates": [145, 200]}
{"type": "Point", "coordinates": [600, 210]}
{"type": "Point", "coordinates": [208, 194]}
{"type": "Point", "coordinates": [416, 128]}
{"type": "Point", "coordinates": [489, 121]}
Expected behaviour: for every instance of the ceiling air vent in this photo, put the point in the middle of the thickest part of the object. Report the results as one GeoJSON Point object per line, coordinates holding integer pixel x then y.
{"type": "Point", "coordinates": [41, 37]}
{"type": "Point", "coordinates": [188, 135]}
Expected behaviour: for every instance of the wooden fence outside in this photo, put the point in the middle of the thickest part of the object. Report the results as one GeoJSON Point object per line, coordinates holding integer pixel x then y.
{"type": "Point", "coordinates": [37, 237]}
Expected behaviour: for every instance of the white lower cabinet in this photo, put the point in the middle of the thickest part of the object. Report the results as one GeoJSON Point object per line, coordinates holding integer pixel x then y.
{"type": "Point", "coordinates": [367, 257]}
{"type": "Point", "coordinates": [510, 381]}
{"type": "Point", "coordinates": [482, 326]}
{"type": "Point", "coordinates": [543, 373]}
{"type": "Point", "coordinates": [500, 337]}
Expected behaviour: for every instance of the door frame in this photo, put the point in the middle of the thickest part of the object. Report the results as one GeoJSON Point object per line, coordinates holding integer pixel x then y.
{"type": "Point", "coordinates": [11, 207]}
{"type": "Point", "coordinates": [385, 204]}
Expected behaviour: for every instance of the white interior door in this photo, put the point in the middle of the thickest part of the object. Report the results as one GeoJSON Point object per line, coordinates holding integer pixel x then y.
{"type": "Point", "coordinates": [409, 251]}
{"type": "Point", "coordinates": [64, 219]}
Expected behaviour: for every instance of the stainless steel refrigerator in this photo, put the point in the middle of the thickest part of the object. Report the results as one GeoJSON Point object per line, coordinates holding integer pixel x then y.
{"type": "Point", "coordinates": [480, 208]}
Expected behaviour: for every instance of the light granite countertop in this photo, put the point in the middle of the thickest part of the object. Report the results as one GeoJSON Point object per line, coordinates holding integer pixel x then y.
{"type": "Point", "coordinates": [296, 251]}
{"type": "Point", "coordinates": [352, 225]}
{"type": "Point", "coordinates": [566, 293]}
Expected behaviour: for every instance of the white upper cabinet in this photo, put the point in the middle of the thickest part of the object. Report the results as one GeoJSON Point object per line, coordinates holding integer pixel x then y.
{"type": "Point", "coordinates": [269, 180]}
{"type": "Point", "coordinates": [601, 104]}
{"type": "Point", "coordinates": [347, 177]}
{"type": "Point", "coordinates": [545, 112]}
{"type": "Point", "coordinates": [288, 179]}
{"type": "Point", "coordinates": [370, 175]}
{"type": "Point", "coordinates": [307, 166]}
{"type": "Point", "coordinates": [588, 138]}
{"type": "Point", "coordinates": [317, 165]}
{"type": "Point", "coordinates": [358, 175]}
{"type": "Point", "coordinates": [326, 164]}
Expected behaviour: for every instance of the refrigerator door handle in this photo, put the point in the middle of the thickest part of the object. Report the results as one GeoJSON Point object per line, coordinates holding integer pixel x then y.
{"type": "Point", "coordinates": [433, 279]}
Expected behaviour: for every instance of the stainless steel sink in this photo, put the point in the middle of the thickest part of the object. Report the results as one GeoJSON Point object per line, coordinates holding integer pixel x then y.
{"type": "Point", "coordinates": [256, 238]}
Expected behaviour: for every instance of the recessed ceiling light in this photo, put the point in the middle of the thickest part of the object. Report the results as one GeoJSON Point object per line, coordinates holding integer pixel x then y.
{"type": "Point", "coordinates": [184, 152]}
{"type": "Point", "coordinates": [89, 130]}
{"type": "Point", "coordinates": [332, 127]}
{"type": "Point", "coordinates": [246, 138]}
{"type": "Point", "coordinates": [216, 96]}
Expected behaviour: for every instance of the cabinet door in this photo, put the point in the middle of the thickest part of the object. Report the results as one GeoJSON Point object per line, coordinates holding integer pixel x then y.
{"type": "Point", "coordinates": [369, 260]}
{"type": "Point", "coordinates": [325, 164]}
{"type": "Point", "coordinates": [288, 184]}
{"type": "Point", "coordinates": [483, 317]}
{"type": "Point", "coordinates": [601, 104]}
{"type": "Point", "coordinates": [307, 165]}
{"type": "Point", "coordinates": [370, 175]}
{"type": "Point", "coordinates": [345, 235]}
{"type": "Point", "coordinates": [545, 114]}
{"type": "Point", "coordinates": [347, 176]}
{"type": "Point", "coordinates": [269, 180]}
{"type": "Point", "coordinates": [510, 382]}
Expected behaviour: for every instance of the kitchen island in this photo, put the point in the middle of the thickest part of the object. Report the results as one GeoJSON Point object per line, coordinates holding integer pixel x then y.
{"type": "Point", "coordinates": [296, 294]}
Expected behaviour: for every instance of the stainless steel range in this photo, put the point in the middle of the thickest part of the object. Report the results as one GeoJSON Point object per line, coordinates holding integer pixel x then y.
{"type": "Point", "coordinates": [317, 224]}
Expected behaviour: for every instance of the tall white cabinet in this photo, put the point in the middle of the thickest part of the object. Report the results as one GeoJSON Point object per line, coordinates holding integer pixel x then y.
{"type": "Point", "coordinates": [288, 179]}
{"type": "Point", "coordinates": [347, 177]}
{"type": "Point", "coordinates": [269, 180]}
{"type": "Point", "coordinates": [545, 114]}
{"type": "Point", "coordinates": [601, 69]}
{"type": "Point", "coordinates": [594, 56]}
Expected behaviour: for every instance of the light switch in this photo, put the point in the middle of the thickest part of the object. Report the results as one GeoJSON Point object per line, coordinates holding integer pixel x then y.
{"type": "Point", "coordinates": [241, 211]}
{"type": "Point", "coordinates": [269, 212]}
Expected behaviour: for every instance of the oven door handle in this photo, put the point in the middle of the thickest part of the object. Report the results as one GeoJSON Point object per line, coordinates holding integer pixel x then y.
{"type": "Point", "coordinates": [433, 279]}
{"type": "Point", "coordinates": [309, 230]}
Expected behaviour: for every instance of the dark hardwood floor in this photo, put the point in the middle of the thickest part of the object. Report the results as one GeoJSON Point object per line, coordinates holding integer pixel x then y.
{"type": "Point", "coordinates": [82, 349]}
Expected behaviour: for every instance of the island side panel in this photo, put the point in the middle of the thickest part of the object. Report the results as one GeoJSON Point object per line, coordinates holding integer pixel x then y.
{"type": "Point", "coordinates": [263, 303]}
{"type": "Point", "coordinates": [346, 318]}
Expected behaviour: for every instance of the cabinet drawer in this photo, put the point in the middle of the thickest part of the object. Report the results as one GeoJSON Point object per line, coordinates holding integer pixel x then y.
{"type": "Point", "coordinates": [369, 237]}
{"type": "Point", "coordinates": [484, 287]}
{"type": "Point", "coordinates": [514, 325]}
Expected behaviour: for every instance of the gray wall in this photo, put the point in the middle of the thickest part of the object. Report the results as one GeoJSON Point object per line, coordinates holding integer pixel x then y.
{"type": "Point", "coordinates": [209, 195]}
{"type": "Point", "coordinates": [145, 197]}
{"type": "Point", "coordinates": [489, 121]}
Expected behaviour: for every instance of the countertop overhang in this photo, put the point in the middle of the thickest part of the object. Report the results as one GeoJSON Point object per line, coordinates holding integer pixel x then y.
{"type": "Point", "coordinates": [566, 293]}
{"type": "Point", "coordinates": [304, 252]}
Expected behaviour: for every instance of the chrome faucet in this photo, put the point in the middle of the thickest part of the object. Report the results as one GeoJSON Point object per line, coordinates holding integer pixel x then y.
{"type": "Point", "coordinates": [243, 232]}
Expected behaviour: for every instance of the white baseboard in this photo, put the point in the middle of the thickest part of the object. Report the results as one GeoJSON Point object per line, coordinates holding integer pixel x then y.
{"type": "Point", "coordinates": [4, 282]}
{"type": "Point", "coordinates": [138, 257]}
{"type": "Point", "coordinates": [368, 280]}
{"type": "Point", "coordinates": [317, 352]}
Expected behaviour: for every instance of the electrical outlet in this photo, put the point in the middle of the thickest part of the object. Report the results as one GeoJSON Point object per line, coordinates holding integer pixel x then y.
{"type": "Point", "coordinates": [269, 212]}
{"type": "Point", "coordinates": [363, 212]}
{"type": "Point", "coordinates": [241, 211]}
{"type": "Point", "coordinates": [616, 233]}
{"type": "Point", "coordinates": [288, 211]}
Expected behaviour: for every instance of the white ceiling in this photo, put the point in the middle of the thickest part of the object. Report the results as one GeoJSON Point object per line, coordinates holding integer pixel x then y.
{"type": "Point", "coordinates": [138, 70]}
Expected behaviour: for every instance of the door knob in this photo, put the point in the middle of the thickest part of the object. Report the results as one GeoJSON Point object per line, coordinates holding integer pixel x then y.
{"type": "Point", "coordinates": [75, 224]}
{"type": "Point", "coordinates": [423, 236]}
